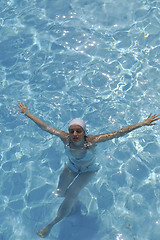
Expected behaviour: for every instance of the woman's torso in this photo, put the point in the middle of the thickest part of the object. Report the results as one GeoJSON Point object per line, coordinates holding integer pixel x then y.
{"type": "Point", "coordinates": [81, 158]}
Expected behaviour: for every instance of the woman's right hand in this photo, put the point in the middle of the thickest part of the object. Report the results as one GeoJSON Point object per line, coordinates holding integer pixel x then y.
{"type": "Point", "coordinates": [22, 107]}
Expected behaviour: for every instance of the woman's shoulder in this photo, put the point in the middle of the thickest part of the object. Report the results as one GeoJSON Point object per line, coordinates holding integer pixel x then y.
{"type": "Point", "coordinates": [90, 140]}
{"type": "Point", "coordinates": [65, 138]}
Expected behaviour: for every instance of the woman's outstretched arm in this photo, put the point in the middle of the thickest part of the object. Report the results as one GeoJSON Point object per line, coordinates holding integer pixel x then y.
{"type": "Point", "coordinates": [24, 109]}
{"type": "Point", "coordinates": [108, 136]}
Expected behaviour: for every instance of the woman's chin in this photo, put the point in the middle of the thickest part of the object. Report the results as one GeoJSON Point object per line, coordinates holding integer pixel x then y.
{"type": "Point", "coordinates": [77, 142]}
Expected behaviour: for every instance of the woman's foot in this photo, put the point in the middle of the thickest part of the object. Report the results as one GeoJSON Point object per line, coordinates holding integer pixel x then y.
{"type": "Point", "coordinates": [44, 231]}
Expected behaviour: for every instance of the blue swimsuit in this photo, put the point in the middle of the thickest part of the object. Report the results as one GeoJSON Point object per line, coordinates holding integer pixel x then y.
{"type": "Point", "coordinates": [79, 165]}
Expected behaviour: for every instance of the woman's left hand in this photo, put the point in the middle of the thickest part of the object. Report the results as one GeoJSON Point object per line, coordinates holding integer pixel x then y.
{"type": "Point", "coordinates": [151, 120]}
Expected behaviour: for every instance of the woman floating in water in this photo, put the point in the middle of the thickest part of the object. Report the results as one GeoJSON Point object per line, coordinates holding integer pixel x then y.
{"type": "Point", "coordinates": [81, 166]}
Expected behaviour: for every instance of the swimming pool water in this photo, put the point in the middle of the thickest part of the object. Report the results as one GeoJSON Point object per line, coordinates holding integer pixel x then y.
{"type": "Point", "coordinates": [98, 60]}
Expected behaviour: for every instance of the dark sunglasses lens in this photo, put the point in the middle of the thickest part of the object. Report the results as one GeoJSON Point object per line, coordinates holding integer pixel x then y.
{"type": "Point", "coordinates": [71, 131]}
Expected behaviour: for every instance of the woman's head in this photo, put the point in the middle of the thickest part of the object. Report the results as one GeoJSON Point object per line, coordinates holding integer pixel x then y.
{"type": "Point", "coordinates": [77, 130]}
{"type": "Point", "coordinates": [78, 121]}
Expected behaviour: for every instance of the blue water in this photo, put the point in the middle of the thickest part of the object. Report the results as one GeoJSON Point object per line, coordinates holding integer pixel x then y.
{"type": "Point", "coordinates": [98, 60]}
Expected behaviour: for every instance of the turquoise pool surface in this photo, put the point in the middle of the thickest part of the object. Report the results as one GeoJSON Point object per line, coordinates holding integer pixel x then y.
{"type": "Point", "coordinates": [97, 60]}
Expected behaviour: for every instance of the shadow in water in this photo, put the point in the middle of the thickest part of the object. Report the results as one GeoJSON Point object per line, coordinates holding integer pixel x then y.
{"type": "Point", "coordinates": [79, 227]}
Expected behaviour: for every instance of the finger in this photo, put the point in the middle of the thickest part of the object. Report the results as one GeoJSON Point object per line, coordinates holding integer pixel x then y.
{"type": "Point", "coordinates": [150, 115]}
{"type": "Point", "coordinates": [19, 105]}
{"type": "Point", "coordinates": [155, 116]}
{"type": "Point", "coordinates": [156, 119]}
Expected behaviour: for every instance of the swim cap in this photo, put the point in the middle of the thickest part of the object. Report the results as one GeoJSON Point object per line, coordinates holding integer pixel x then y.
{"type": "Point", "coordinates": [78, 121]}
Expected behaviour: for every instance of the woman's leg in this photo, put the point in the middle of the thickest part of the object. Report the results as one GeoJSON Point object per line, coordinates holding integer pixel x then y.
{"type": "Point", "coordinates": [65, 179]}
{"type": "Point", "coordinates": [71, 194]}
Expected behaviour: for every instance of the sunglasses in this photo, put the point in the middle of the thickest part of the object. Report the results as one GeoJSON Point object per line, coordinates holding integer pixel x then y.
{"type": "Point", "coordinates": [71, 131]}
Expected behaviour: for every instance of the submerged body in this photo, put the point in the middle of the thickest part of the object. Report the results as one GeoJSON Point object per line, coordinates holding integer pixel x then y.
{"type": "Point", "coordinates": [78, 171]}
{"type": "Point", "coordinates": [85, 163]}
{"type": "Point", "coordinates": [81, 165]}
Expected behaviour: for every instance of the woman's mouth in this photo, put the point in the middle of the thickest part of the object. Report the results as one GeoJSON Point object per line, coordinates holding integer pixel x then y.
{"type": "Point", "coordinates": [75, 139]}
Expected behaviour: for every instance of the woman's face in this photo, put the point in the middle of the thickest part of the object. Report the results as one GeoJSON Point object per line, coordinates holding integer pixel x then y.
{"type": "Point", "coordinates": [76, 133]}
